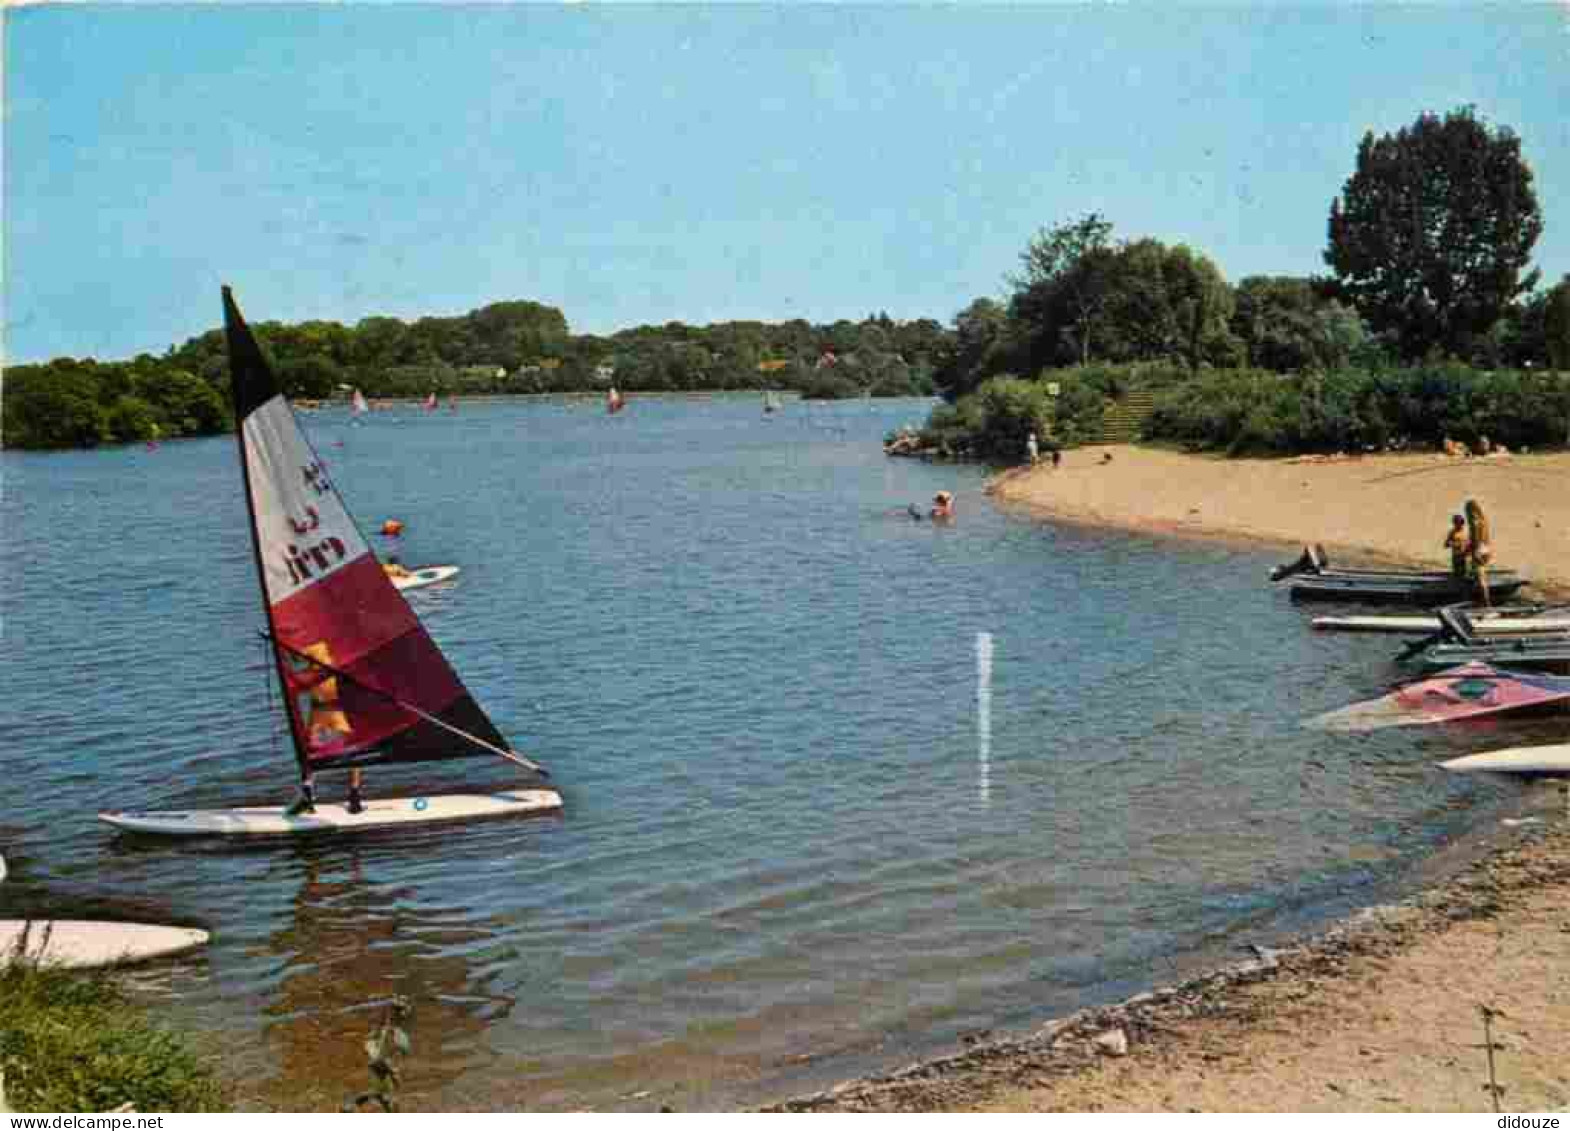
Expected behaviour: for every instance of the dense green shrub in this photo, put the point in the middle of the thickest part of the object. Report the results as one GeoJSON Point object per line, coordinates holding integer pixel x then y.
{"type": "Point", "coordinates": [74, 1042]}
{"type": "Point", "coordinates": [1255, 411]}
{"type": "Point", "coordinates": [1260, 412]}
{"type": "Point", "coordinates": [1010, 410]}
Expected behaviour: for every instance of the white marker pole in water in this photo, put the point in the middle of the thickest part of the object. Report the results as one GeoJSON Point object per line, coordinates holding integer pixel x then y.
{"type": "Point", "coordinates": [984, 714]}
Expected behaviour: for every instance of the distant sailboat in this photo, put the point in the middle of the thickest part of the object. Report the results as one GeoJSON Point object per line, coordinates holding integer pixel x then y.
{"type": "Point", "coordinates": [430, 402]}
{"type": "Point", "coordinates": [614, 401]}
{"type": "Point", "coordinates": [771, 401]}
{"type": "Point", "coordinates": [357, 404]}
{"type": "Point", "coordinates": [363, 682]}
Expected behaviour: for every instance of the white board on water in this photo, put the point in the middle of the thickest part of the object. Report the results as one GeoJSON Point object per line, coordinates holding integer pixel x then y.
{"type": "Point", "coordinates": [332, 817]}
{"type": "Point", "coordinates": [420, 578]}
{"type": "Point", "coordinates": [1514, 760]}
{"type": "Point", "coordinates": [88, 942]}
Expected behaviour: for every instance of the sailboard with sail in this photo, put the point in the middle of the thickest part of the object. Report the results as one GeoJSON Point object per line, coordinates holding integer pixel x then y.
{"type": "Point", "coordinates": [614, 401]}
{"type": "Point", "coordinates": [357, 404]}
{"type": "Point", "coordinates": [363, 682]}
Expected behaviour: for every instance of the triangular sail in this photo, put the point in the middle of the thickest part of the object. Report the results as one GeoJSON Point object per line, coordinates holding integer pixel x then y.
{"type": "Point", "coordinates": [331, 606]}
{"type": "Point", "coordinates": [358, 403]}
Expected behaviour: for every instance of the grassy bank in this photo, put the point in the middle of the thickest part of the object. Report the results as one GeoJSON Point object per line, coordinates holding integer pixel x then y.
{"type": "Point", "coordinates": [74, 1041]}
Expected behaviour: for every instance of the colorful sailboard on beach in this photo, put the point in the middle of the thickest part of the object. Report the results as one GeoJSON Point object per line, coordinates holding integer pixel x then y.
{"type": "Point", "coordinates": [1464, 692]}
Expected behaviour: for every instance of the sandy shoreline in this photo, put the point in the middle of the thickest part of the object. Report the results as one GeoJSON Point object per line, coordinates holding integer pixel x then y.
{"type": "Point", "coordinates": [1393, 508]}
{"type": "Point", "coordinates": [1383, 1012]}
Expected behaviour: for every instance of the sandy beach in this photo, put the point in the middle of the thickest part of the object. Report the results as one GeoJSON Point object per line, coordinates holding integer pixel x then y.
{"type": "Point", "coordinates": [1392, 508]}
{"type": "Point", "coordinates": [1385, 1011]}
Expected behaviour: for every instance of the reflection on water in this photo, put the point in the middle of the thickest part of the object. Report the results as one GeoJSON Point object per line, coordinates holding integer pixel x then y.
{"type": "Point", "coordinates": [351, 944]}
{"type": "Point", "coordinates": [839, 785]}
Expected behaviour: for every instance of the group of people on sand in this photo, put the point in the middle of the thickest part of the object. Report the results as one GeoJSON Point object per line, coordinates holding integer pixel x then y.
{"type": "Point", "coordinates": [1470, 548]}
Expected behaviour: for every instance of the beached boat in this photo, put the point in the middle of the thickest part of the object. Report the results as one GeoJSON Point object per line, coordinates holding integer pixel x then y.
{"type": "Point", "coordinates": [1524, 653]}
{"type": "Point", "coordinates": [1463, 637]}
{"type": "Point", "coordinates": [1425, 591]}
{"type": "Point", "coordinates": [363, 682]}
{"type": "Point", "coordinates": [1465, 692]}
{"type": "Point", "coordinates": [1313, 578]}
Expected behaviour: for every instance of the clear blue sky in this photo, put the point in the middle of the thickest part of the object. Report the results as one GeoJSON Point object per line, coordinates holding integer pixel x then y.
{"type": "Point", "coordinates": [647, 163]}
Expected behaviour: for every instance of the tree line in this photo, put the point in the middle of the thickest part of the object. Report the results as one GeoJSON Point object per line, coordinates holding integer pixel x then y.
{"type": "Point", "coordinates": [1428, 247]}
{"type": "Point", "coordinates": [1429, 322]}
{"type": "Point", "coordinates": [506, 347]}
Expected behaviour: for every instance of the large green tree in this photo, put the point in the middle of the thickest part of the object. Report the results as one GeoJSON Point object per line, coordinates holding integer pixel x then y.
{"type": "Point", "coordinates": [1063, 287]}
{"type": "Point", "coordinates": [1431, 235]}
{"type": "Point", "coordinates": [1080, 297]}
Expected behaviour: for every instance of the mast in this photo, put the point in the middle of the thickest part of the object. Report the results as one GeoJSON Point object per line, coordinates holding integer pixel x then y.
{"type": "Point", "coordinates": [363, 681]}
{"type": "Point", "coordinates": [241, 343]}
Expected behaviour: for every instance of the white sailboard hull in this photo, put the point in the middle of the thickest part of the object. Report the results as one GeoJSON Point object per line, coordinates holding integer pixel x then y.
{"type": "Point", "coordinates": [420, 578]}
{"type": "Point", "coordinates": [87, 942]}
{"type": "Point", "coordinates": [1514, 760]}
{"type": "Point", "coordinates": [332, 817]}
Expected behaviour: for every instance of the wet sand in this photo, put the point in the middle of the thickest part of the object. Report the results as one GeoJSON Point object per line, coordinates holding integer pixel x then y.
{"type": "Point", "coordinates": [1383, 1012]}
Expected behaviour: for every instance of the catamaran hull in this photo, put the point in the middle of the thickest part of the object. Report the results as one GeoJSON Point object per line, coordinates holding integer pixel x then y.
{"type": "Point", "coordinates": [382, 813]}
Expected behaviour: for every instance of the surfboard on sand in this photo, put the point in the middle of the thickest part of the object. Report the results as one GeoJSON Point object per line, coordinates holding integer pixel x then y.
{"type": "Point", "coordinates": [420, 578]}
{"type": "Point", "coordinates": [330, 817]}
{"type": "Point", "coordinates": [1514, 760]}
{"type": "Point", "coordinates": [88, 942]}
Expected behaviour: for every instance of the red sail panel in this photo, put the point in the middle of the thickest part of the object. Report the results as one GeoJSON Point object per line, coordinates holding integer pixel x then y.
{"type": "Point", "coordinates": [330, 601]}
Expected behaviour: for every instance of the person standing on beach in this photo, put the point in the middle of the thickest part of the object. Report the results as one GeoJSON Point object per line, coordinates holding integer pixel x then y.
{"type": "Point", "coordinates": [1057, 456]}
{"type": "Point", "coordinates": [1460, 547]}
{"type": "Point", "coordinates": [1032, 452]}
{"type": "Point", "coordinates": [1482, 551]}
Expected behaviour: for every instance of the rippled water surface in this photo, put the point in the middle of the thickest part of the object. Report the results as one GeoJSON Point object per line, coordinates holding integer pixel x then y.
{"type": "Point", "coordinates": [840, 786]}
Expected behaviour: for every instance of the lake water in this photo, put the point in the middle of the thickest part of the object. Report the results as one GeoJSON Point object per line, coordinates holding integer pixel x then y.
{"type": "Point", "coordinates": [840, 786]}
